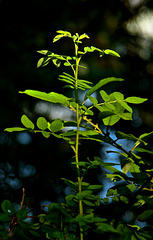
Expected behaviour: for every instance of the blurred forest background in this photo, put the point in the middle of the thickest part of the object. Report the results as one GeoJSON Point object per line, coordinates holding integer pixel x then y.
{"type": "Point", "coordinates": [29, 160]}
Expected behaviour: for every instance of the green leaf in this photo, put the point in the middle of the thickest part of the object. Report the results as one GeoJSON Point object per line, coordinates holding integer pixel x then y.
{"type": "Point", "coordinates": [126, 106]}
{"type": "Point", "coordinates": [146, 135]}
{"type": "Point", "coordinates": [92, 49]}
{"type": "Point", "coordinates": [4, 217]}
{"type": "Point", "coordinates": [8, 208]}
{"type": "Point", "coordinates": [15, 129]}
{"type": "Point", "coordinates": [45, 134]}
{"type": "Point", "coordinates": [56, 125]}
{"type": "Point", "coordinates": [83, 36]}
{"type": "Point", "coordinates": [22, 214]}
{"type": "Point", "coordinates": [27, 122]}
{"type": "Point", "coordinates": [145, 215]}
{"type": "Point", "coordinates": [110, 121]}
{"type": "Point", "coordinates": [121, 135]}
{"type": "Point", "coordinates": [104, 227]}
{"type": "Point", "coordinates": [135, 100]}
{"type": "Point", "coordinates": [49, 97]}
{"type": "Point", "coordinates": [100, 84]}
{"type": "Point", "coordinates": [34, 233]}
{"type": "Point", "coordinates": [104, 95]}
{"type": "Point", "coordinates": [125, 116]}
{"type": "Point", "coordinates": [61, 35]}
{"type": "Point", "coordinates": [118, 95]}
{"type": "Point", "coordinates": [143, 150]}
{"type": "Point", "coordinates": [42, 123]}
{"type": "Point", "coordinates": [111, 52]}
{"type": "Point", "coordinates": [45, 52]}
{"type": "Point", "coordinates": [43, 61]}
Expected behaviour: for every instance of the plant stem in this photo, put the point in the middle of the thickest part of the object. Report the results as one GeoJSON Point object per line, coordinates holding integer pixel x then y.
{"type": "Point", "coordinates": [78, 118]}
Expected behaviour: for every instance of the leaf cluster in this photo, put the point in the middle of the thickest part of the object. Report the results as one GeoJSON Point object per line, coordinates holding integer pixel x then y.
{"type": "Point", "coordinates": [77, 217]}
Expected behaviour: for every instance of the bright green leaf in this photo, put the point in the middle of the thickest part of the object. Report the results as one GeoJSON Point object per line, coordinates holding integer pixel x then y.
{"type": "Point", "coordinates": [135, 100]}
{"type": "Point", "coordinates": [111, 52]}
{"type": "Point", "coordinates": [83, 36]}
{"type": "Point", "coordinates": [27, 122]}
{"type": "Point", "coordinates": [56, 125]}
{"type": "Point", "coordinates": [100, 84]}
{"type": "Point", "coordinates": [105, 96]}
{"type": "Point", "coordinates": [45, 134]}
{"type": "Point", "coordinates": [15, 129]}
{"type": "Point", "coordinates": [43, 61]}
{"type": "Point", "coordinates": [49, 97]}
{"type": "Point", "coordinates": [42, 123]}
{"type": "Point", "coordinates": [110, 121]}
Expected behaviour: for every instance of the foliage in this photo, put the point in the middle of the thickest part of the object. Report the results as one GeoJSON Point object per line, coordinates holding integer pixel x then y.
{"type": "Point", "coordinates": [77, 217]}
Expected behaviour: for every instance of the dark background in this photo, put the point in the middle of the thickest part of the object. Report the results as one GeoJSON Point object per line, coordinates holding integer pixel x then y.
{"type": "Point", "coordinates": [32, 161]}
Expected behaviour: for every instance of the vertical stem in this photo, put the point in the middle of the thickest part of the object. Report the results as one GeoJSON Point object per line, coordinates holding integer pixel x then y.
{"type": "Point", "coordinates": [77, 137]}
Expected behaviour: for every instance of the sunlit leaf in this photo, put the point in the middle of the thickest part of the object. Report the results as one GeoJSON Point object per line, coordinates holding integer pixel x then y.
{"type": "Point", "coordinates": [42, 123]}
{"type": "Point", "coordinates": [111, 52]}
{"type": "Point", "coordinates": [135, 100]}
{"type": "Point", "coordinates": [49, 97]}
{"type": "Point", "coordinates": [27, 122]}
{"type": "Point", "coordinates": [15, 129]}
{"type": "Point", "coordinates": [43, 62]}
{"type": "Point", "coordinates": [83, 36]}
{"type": "Point", "coordinates": [110, 121]}
{"type": "Point", "coordinates": [100, 84]}
{"type": "Point", "coordinates": [56, 125]}
{"type": "Point", "coordinates": [104, 95]}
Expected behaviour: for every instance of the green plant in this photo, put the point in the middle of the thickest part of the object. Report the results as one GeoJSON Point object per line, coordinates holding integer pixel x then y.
{"type": "Point", "coordinates": [78, 217]}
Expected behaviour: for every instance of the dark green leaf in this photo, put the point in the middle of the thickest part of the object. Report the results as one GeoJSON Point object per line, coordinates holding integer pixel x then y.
{"type": "Point", "coordinates": [27, 122]}
{"type": "Point", "coordinates": [4, 218]}
{"type": "Point", "coordinates": [22, 214]}
{"type": "Point", "coordinates": [34, 233]}
{"type": "Point", "coordinates": [8, 208]}
{"type": "Point", "coordinates": [121, 135]}
{"type": "Point", "coordinates": [104, 227]}
{"type": "Point", "coordinates": [100, 84]}
{"type": "Point", "coordinates": [145, 215]}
